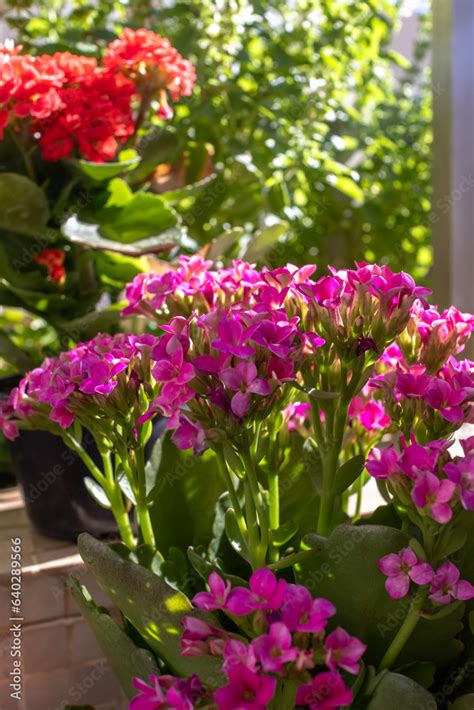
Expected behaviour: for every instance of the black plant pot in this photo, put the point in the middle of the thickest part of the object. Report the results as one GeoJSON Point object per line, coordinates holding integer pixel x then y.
{"type": "Point", "coordinates": [52, 479]}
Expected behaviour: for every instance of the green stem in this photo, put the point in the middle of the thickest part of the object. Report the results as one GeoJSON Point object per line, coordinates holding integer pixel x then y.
{"type": "Point", "coordinates": [274, 510]}
{"type": "Point", "coordinates": [143, 514]}
{"type": "Point", "coordinates": [259, 503]}
{"type": "Point", "coordinates": [290, 560]}
{"type": "Point", "coordinates": [252, 527]}
{"type": "Point", "coordinates": [405, 631]}
{"type": "Point", "coordinates": [222, 463]}
{"type": "Point", "coordinates": [116, 501]}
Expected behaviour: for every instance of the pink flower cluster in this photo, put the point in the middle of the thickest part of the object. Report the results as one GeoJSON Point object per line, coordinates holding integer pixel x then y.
{"type": "Point", "coordinates": [360, 309]}
{"type": "Point", "coordinates": [403, 568]}
{"type": "Point", "coordinates": [223, 367]}
{"type": "Point", "coordinates": [98, 382]}
{"type": "Point", "coordinates": [169, 692]}
{"type": "Point", "coordinates": [441, 402]}
{"type": "Point", "coordinates": [291, 641]}
{"type": "Point", "coordinates": [432, 338]}
{"type": "Point", "coordinates": [426, 477]}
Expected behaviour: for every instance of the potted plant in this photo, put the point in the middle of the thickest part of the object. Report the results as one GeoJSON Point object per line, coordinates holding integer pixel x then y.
{"type": "Point", "coordinates": [81, 137]}
{"type": "Point", "coordinates": [283, 384]}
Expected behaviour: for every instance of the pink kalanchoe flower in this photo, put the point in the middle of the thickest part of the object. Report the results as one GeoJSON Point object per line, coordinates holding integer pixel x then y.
{"type": "Point", "coordinates": [371, 414]}
{"type": "Point", "coordinates": [325, 692]}
{"type": "Point", "coordinates": [275, 648]}
{"type": "Point", "coordinates": [447, 587]}
{"type": "Point", "coordinates": [417, 458]}
{"type": "Point", "coordinates": [300, 612]}
{"type": "Point", "coordinates": [383, 463]}
{"type": "Point", "coordinates": [401, 568]}
{"type": "Point", "coordinates": [166, 692]}
{"type": "Point", "coordinates": [296, 415]}
{"type": "Point", "coordinates": [344, 651]}
{"type": "Point", "coordinates": [441, 395]}
{"type": "Point", "coordinates": [242, 379]}
{"type": "Point", "coordinates": [189, 436]}
{"type": "Point", "coordinates": [413, 384]}
{"type": "Point", "coordinates": [217, 597]}
{"type": "Point", "coordinates": [173, 368]}
{"type": "Point", "coordinates": [266, 592]}
{"type": "Point", "coordinates": [239, 653]}
{"type": "Point", "coordinates": [199, 638]}
{"type": "Point", "coordinates": [433, 495]}
{"type": "Point", "coordinates": [461, 472]}
{"type": "Point", "coordinates": [246, 690]}
{"type": "Point", "coordinates": [232, 337]}
{"type": "Point", "coordinates": [467, 445]}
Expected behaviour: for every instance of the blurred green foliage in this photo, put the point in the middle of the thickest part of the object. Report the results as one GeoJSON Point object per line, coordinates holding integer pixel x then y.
{"type": "Point", "coordinates": [302, 108]}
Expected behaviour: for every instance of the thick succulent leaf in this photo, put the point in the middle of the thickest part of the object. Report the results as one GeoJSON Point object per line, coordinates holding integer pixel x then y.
{"type": "Point", "coordinates": [101, 172]}
{"type": "Point", "coordinates": [263, 241]}
{"type": "Point", "coordinates": [184, 497]}
{"type": "Point", "coordinates": [23, 206]}
{"type": "Point", "coordinates": [154, 609]}
{"type": "Point", "coordinates": [346, 572]}
{"type": "Point", "coordinates": [465, 702]}
{"type": "Point", "coordinates": [393, 691]}
{"type": "Point", "coordinates": [125, 658]}
{"type": "Point", "coordinates": [347, 474]}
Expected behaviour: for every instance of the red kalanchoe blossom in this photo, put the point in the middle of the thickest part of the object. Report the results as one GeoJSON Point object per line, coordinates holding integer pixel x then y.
{"type": "Point", "coordinates": [53, 260]}
{"type": "Point", "coordinates": [154, 64]}
{"type": "Point", "coordinates": [95, 118]}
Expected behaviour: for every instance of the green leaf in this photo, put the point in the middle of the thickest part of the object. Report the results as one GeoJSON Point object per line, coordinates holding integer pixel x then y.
{"type": "Point", "coordinates": [14, 355]}
{"type": "Point", "coordinates": [452, 539]}
{"type": "Point", "coordinates": [347, 474]}
{"type": "Point", "coordinates": [224, 243]}
{"type": "Point", "coordinates": [155, 148]}
{"type": "Point", "coordinates": [115, 269]}
{"type": "Point", "coordinates": [346, 572]}
{"type": "Point", "coordinates": [101, 172]}
{"type": "Point", "coordinates": [126, 487]}
{"type": "Point", "coordinates": [152, 465]}
{"type": "Point", "coordinates": [313, 464]}
{"type": "Point", "coordinates": [263, 241]}
{"type": "Point", "coordinates": [125, 658]}
{"type": "Point", "coordinates": [284, 533]}
{"type": "Point", "coordinates": [321, 394]}
{"type": "Point", "coordinates": [127, 219]}
{"type": "Point", "coordinates": [155, 609]}
{"type": "Point", "coordinates": [347, 186]}
{"type": "Point", "coordinates": [422, 673]}
{"type": "Point", "coordinates": [88, 325]}
{"type": "Point", "coordinates": [465, 702]}
{"type": "Point", "coordinates": [24, 207]}
{"type": "Point", "coordinates": [89, 235]}
{"type": "Point", "coordinates": [183, 500]}
{"type": "Point", "coordinates": [97, 492]}
{"type": "Point", "coordinates": [392, 691]}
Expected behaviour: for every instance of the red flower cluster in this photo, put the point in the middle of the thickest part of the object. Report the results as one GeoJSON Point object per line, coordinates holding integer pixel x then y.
{"type": "Point", "coordinates": [53, 260]}
{"type": "Point", "coordinates": [152, 62]}
{"type": "Point", "coordinates": [77, 105]}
